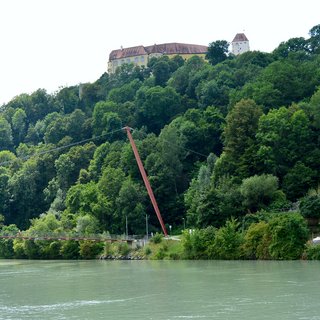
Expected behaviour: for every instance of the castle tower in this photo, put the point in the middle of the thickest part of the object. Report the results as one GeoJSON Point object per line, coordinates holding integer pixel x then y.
{"type": "Point", "coordinates": [240, 44]}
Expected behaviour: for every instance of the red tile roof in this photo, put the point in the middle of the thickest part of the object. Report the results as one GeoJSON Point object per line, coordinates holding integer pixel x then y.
{"type": "Point", "coordinates": [177, 48]}
{"type": "Point", "coordinates": [240, 37]}
{"type": "Point", "coordinates": [166, 48]}
{"type": "Point", "coordinates": [127, 52]}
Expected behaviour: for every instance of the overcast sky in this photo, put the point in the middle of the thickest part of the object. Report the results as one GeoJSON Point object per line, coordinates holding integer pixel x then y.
{"type": "Point", "coordinates": [55, 43]}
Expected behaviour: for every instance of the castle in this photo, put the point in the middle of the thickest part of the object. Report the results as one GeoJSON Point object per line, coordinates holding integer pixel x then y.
{"type": "Point", "coordinates": [240, 44]}
{"type": "Point", "coordinates": [141, 55]}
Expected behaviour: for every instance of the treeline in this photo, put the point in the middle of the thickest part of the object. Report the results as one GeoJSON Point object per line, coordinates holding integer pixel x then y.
{"type": "Point", "coordinates": [219, 139]}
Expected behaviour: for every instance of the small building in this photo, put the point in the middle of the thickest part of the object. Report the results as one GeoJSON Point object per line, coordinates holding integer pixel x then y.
{"type": "Point", "coordinates": [140, 55]}
{"type": "Point", "coordinates": [240, 44]}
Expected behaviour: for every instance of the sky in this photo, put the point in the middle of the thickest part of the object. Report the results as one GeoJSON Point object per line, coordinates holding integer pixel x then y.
{"type": "Point", "coordinates": [52, 44]}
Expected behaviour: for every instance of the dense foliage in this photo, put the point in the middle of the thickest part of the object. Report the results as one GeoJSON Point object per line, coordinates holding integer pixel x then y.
{"type": "Point", "coordinates": [220, 139]}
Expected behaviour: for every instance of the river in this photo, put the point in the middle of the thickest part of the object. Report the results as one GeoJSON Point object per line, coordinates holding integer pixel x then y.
{"type": "Point", "coordinates": [159, 290]}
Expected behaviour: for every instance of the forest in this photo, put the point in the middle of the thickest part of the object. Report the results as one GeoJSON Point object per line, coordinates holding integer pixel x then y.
{"type": "Point", "coordinates": [227, 142]}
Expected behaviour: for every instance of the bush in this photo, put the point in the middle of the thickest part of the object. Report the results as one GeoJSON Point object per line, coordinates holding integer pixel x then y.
{"type": "Point", "coordinates": [259, 191]}
{"type": "Point", "coordinates": [70, 249]}
{"type": "Point", "coordinates": [6, 248]}
{"type": "Point", "coordinates": [256, 241]}
{"type": "Point", "coordinates": [6, 245]}
{"type": "Point", "coordinates": [31, 249]}
{"type": "Point", "coordinates": [288, 235]}
{"type": "Point", "coordinates": [310, 206]}
{"type": "Point", "coordinates": [123, 249]}
{"type": "Point", "coordinates": [161, 254]}
{"type": "Point", "coordinates": [147, 251]}
{"type": "Point", "coordinates": [227, 242]}
{"type": "Point", "coordinates": [313, 252]}
{"type": "Point", "coordinates": [157, 238]}
{"type": "Point", "coordinates": [18, 247]}
{"type": "Point", "coordinates": [196, 244]}
{"type": "Point", "coordinates": [90, 249]}
{"type": "Point", "coordinates": [50, 250]}
{"type": "Point", "coordinates": [174, 256]}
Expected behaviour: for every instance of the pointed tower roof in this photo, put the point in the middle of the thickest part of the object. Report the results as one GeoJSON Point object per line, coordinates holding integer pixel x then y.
{"type": "Point", "coordinates": [240, 37]}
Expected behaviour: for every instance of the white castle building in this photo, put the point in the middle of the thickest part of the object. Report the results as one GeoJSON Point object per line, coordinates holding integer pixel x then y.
{"type": "Point", "coordinates": [240, 44]}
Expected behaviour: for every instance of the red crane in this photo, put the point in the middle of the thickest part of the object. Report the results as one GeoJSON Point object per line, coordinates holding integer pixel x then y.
{"type": "Point", "coordinates": [145, 179]}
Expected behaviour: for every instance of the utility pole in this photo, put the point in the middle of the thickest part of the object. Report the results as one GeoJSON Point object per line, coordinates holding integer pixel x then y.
{"type": "Point", "coordinates": [145, 180]}
{"type": "Point", "coordinates": [126, 227]}
{"type": "Point", "coordinates": [147, 231]}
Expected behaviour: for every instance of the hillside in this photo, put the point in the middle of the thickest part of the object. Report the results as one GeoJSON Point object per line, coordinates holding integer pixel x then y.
{"type": "Point", "coordinates": [217, 140]}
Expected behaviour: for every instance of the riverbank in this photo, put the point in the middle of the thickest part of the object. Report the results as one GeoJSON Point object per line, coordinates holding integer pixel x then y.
{"type": "Point", "coordinates": [265, 236]}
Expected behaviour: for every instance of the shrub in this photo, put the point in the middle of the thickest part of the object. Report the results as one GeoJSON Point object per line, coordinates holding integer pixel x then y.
{"type": "Point", "coordinates": [157, 238]}
{"type": "Point", "coordinates": [310, 206]}
{"type": "Point", "coordinates": [90, 249]}
{"type": "Point", "coordinates": [123, 249]}
{"type": "Point", "coordinates": [174, 256]}
{"type": "Point", "coordinates": [6, 245]}
{"type": "Point", "coordinates": [108, 249]}
{"type": "Point", "coordinates": [288, 235]}
{"type": "Point", "coordinates": [51, 250]}
{"type": "Point", "coordinates": [196, 244]}
{"type": "Point", "coordinates": [18, 247]}
{"type": "Point", "coordinates": [259, 191]}
{"type": "Point", "coordinates": [313, 252]}
{"type": "Point", "coordinates": [256, 241]}
{"type": "Point", "coordinates": [6, 248]}
{"type": "Point", "coordinates": [70, 249]}
{"type": "Point", "coordinates": [161, 254]}
{"type": "Point", "coordinates": [147, 251]}
{"type": "Point", "coordinates": [31, 249]}
{"type": "Point", "coordinates": [227, 242]}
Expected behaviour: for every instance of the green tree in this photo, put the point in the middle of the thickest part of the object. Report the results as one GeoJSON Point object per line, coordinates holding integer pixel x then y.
{"type": "Point", "coordinates": [68, 165]}
{"type": "Point", "coordinates": [26, 195]}
{"type": "Point", "coordinates": [124, 93]}
{"type": "Point", "coordinates": [310, 206]}
{"type": "Point", "coordinates": [217, 51]}
{"type": "Point", "coordinates": [239, 140]}
{"type": "Point", "coordinates": [161, 72]}
{"type": "Point", "coordinates": [6, 245]}
{"type": "Point", "coordinates": [258, 191]}
{"type": "Point", "coordinates": [19, 126]}
{"type": "Point", "coordinates": [284, 137]}
{"type": "Point", "coordinates": [6, 139]}
{"type": "Point", "coordinates": [157, 106]}
{"type": "Point", "coordinates": [298, 179]}
{"type": "Point", "coordinates": [165, 171]}
{"type": "Point", "coordinates": [292, 45]}
{"type": "Point", "coordinates": [68, 99]}
{"type": "Point", "coordinates": [131, 206]}
{"type": "Point", "coordinates": [87, 225]}
{"type": "Point", "coordinates": [314, 40]}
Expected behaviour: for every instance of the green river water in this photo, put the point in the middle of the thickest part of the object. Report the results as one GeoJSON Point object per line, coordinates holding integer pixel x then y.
{"type": "Point", "coordinates": [159, 290]}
